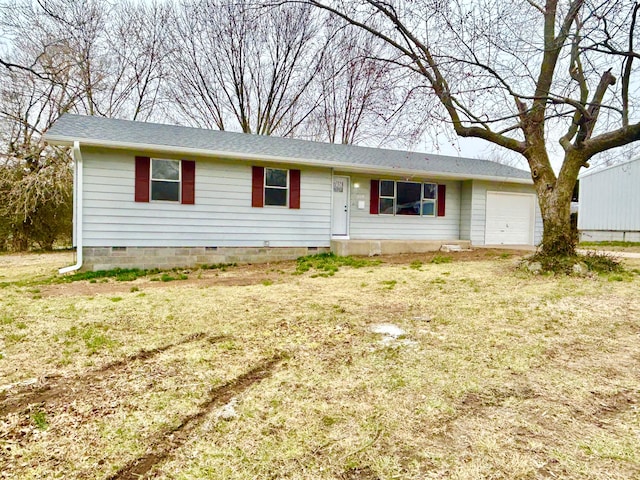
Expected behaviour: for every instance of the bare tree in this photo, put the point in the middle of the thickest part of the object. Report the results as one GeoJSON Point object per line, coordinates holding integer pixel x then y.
{"type": "Point", "coordinates": [361, 98]}
{"type": "Point", "coordinates": [35, 181]}
{"type": "Point", "coordinates": [110, 59]}
{"type": "Point", "coordinates": [136, 57]}
{"type": "Point", "coordinates": [238, 65]}
{"type": "Point", "coordinates": [36, 86]}
{"type": "Point", "coordinates": [66, 56]}
{"type": "Point", "coordinates": [37, 198]}
{"type": "Point", "coordinates": [532, 77]}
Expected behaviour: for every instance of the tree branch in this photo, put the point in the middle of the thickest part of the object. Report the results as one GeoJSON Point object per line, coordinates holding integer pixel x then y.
{"type": "Point", "coordinates": [612, 139]}
{"type": "Point", "coordinates": [626, 75]}
{"type": "Point", "coordinates": [587, 122]}
{"type": "Point", "coordinates": [29, 69]}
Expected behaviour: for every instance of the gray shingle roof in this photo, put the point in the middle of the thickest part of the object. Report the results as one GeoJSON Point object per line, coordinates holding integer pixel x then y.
{"type": "Point", "coordinates": [115, 133]}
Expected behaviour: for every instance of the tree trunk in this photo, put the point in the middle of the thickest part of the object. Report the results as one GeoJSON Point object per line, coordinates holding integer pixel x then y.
{"type": "Point", "coordinates": [20, 238]}
{"type": "Point", "coordinates": [558, 238]}
{"type": "Point", "coordinates": [554, 198]}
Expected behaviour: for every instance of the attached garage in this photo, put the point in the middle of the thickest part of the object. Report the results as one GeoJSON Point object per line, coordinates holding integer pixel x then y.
{"type": "Point", "coordinates": [510, 218]}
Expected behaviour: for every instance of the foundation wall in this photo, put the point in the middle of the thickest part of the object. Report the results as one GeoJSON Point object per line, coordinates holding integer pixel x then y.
{"type": "Point", "coordinates": [609, 236]}
{"type": "Point", "coordinates": [108, 258]}
{"type": "Point", "coordinates": [370, 248]}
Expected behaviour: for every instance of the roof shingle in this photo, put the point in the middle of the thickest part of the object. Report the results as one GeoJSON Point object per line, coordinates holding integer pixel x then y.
{"type": "Point", "coordinates": [149, 136]}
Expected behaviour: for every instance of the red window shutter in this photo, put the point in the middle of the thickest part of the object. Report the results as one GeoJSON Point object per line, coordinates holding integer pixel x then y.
{"type": "Point", "coordinates": [374, 200]}
{"type": "Point", "coordinates": [188, 182]}
{"type": "Point", "coordinates": [442, 195]}
{"type": "Point", "coordinates": [143, 172]}
{"type": "Point", "coordinates": [257, 187]}
{"type": "Point", "coordinates": [294, 188]}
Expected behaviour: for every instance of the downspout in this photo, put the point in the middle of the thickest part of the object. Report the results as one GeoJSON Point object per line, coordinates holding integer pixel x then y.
{"type": "Point", "coordinates": [77, 196]}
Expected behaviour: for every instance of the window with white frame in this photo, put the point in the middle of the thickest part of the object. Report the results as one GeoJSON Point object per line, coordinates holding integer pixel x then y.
{"type": "Point", "coordinates": [165, 180]}
{"type": "Point", "coordinates": [429, 197]}
{"type": "Point", "coordinates": [276, 187]}
{"type": "Point", "coordinates": [407, 198]}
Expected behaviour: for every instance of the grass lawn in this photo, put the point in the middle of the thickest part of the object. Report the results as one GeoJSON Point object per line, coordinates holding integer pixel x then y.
{"type": "Point", "coordinates": [615, 246]}
{"type": "Point", "coordinates": [265, 372]}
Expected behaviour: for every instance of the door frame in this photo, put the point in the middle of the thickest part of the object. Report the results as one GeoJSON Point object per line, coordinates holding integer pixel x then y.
{"type": "Point", "coordinates": [348, 212]}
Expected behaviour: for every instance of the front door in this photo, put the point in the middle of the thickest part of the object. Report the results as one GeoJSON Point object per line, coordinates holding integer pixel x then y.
{"type": "Point", "coordinates": [340, 214]}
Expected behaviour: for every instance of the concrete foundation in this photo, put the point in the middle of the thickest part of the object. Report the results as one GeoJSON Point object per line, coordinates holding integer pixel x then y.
{"type": "Point", "coordinates": [609, 236]}
{"type": "Point", "coordinates": [108, 258]}
{"type": "Point", "coordinates": [391, 247]}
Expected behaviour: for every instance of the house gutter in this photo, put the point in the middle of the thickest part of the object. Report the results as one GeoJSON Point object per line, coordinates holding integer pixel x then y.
{"type": "Point", "coordinates": [77, 207]}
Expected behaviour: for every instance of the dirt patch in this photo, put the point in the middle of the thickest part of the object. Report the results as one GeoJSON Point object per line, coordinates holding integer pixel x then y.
{"type": "Point", "coordinates": [57, 387]}
{"type": "Point", "coordinates": [359, 473]}
{"type": "Point", "coordinates": [478, 254]}
{"type": "Point", "coordinates": [254, 274]}
{"type": "Point", "coordinates": [496, 397]}
{"type": "Point", "coordinates": [173, 438]}
{"type": "Point", "coordinates": [552, 469]}
{"type": "Point", "coordinates": [611, 405]}
{"type": "Point", "coordinates": [241, 275]}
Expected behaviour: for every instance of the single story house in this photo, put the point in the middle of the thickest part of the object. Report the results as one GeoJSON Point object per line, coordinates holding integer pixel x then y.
{"type": "Point", "coordinates": [609, 203]}
{"type": "Point", "coordinates": [152, 195]}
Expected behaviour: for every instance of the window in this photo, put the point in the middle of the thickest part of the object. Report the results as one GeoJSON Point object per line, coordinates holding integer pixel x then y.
{"type": "Point", "coordinates": [168, 180]}
{"type": "Point", "coordinates": [429, 197]}
{"type": "Point", "coordinates": [165, 180]}
{"type": "Point", "coordinates": [276, 187]}
{"type": "Point", "coordinates": [407, 198]}
{"type": "Point", "coordinates": [387, 197]}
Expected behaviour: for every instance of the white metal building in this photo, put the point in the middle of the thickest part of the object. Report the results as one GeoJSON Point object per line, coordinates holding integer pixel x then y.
{"type": "Point", "coordinates": [609, 203]}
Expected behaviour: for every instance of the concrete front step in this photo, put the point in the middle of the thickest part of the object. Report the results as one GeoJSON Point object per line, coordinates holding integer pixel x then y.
{"type": "Point", "coordinates": [392, 247]}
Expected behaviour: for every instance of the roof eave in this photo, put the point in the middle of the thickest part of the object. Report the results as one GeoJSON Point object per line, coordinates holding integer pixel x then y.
{"type": "Point", "coordinates": [598, 170]}
{"type": "Point", "coordinates": [342, 166]}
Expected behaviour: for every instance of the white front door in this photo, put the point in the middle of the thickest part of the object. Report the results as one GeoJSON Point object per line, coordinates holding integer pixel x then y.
{"type": "Point", "coordinates": [509, 218]}
{"type": "Point", "coordinates": [340, 213]}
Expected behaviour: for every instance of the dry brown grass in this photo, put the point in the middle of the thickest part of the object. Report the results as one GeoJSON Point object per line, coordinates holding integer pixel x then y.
{"type": "Point", "coordinates": [501, 375]}
{"type": "Point", "coordinates": [17, 267]}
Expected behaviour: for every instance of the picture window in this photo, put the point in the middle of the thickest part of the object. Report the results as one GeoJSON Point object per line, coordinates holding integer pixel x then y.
{"type": "Point", "coordinates": [407, 198]}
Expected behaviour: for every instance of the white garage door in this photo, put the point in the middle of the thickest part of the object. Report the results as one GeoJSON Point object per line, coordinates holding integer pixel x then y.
{"type": "Point", "coordinates": [510, 218]}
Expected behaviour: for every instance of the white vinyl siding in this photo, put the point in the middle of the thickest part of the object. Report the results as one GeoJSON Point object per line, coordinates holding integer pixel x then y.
{"type": "Point", "coordinates": [389, 227]}
{"type": "Point", "coordinates": [610, 201]}
{"type": "Point", "coordinates": [479, 209]}
{"type": "Point", "coordinates": [221, 216]}
{"type": "Point", "coordinates": [465, 209]}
